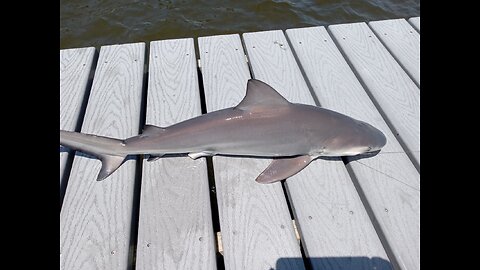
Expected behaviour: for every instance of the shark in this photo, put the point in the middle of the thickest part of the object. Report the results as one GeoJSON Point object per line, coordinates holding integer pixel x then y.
{"type": "Point", "coordinates": [263, 124]}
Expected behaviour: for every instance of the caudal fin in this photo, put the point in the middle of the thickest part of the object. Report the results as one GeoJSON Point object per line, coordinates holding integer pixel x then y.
{"type": "Point", "coordinates": [109, 165]}
{"type": "Point", "coordinates": [109, 150]}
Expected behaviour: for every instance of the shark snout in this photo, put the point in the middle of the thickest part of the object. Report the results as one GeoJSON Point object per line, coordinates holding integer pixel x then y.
{"type": "Point", "coordinates": [378, 139]}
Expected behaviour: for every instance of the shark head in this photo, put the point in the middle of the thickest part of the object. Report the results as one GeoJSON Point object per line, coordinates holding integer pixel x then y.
{"type": "Point", "coordinates": [359, 138]}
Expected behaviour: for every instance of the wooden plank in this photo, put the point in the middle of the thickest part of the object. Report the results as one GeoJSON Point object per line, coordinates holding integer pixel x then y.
{"type": "Point", "coordinates": [386, 179]}
{"type": "Point", "coordinates": [403, 42]}
{"type": "Point", "coordinates": [332, 220]}
{"type": "Point", "coordinates": [255, 222]}
{"type": "Point", "coordinates": [396, 94]}
{"type": "Point", "coordinates": [175, 227]}
{"type": "Point", "coordinates": [96, 217]}
{"type": "Point", "coordinates": [415, 21]}
{"type": "Point", "coordinates": [75, 66]}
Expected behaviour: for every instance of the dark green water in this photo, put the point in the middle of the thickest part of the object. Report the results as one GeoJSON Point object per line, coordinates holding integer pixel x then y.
{"type": "Point", "coordinates": [97, 23]}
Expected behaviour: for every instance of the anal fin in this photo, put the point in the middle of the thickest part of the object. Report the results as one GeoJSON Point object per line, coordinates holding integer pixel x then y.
{"type": "Point", "coordinates": [200, 154]}
{"type": "Point", "coordinates": [283, 168]}
{"type": "Point", "coordinates": [110, 163]}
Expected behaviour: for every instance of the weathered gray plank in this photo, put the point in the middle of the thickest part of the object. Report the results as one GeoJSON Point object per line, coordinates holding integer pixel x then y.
{"type": "Point", "coordinates": [96, 217]}
{"type": "Point", "coordinates": [403, 42]}
{"type": "Point", "coordinates": [329, 213]}
{"type": "Point", "coordinates": [396, 94]}
{"type": "Point", "coordinates": [254, 218]}
{"type": "Point", "coordinates": [175, 227]}
{"type": "Point", "coordinates": [389, 180]}
{"type": "Point", "coordinates": [75, 65]}
{"type": "Point", "coordinates": [415, 21]}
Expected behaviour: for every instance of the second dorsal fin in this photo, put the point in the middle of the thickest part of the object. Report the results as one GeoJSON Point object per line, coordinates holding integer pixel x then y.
{"type": "Point", "coordinates": [152, 130]}
{"type": "Point", "coordinates": [260, 94]}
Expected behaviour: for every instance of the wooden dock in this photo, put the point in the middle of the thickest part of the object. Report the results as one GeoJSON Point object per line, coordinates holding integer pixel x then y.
{"type": "Point", "coordinates": [179, 213]}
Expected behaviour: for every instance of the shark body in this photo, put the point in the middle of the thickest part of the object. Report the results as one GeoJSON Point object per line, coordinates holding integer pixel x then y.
{"type": "Point", "coordinates": [263, 124]}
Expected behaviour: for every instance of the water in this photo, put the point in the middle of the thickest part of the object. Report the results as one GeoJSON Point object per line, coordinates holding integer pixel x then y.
{"type": "Point", "coordinates": [97, 23]}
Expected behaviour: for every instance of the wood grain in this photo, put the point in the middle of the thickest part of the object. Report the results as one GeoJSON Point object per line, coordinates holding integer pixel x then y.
{"type": "Point", "coordinates": [255, 222]}
{"type": "Point", "coordinates": [396, 94]}
{"type": "Point", "coordinates": [337, 88]}
{"type": "Point", "coordinates": [329, 213]}
{"type": "Point", "coordinates": [415, 22]}
{"type": "Point", "coordinates": [175, 227]}
{"type": "Point", "coordinates": [75, 66]}
{"type": "Point", "coordinates": [392, 189]}
{"type": "Point", "coordinates": [403, 42]}
{"type": "Point", "coordinates": [96, 217]}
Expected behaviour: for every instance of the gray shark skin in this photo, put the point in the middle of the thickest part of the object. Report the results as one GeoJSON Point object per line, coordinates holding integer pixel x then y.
{"type": "Point", "coordinates": [263, 124]}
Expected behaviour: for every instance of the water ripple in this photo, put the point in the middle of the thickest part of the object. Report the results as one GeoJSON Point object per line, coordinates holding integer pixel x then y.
{"type": "Point", "coordinates": [97, 23]}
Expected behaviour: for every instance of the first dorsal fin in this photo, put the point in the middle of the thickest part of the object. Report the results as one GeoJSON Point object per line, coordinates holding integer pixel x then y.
{"type": "Point", "coordinates": [260, 94]}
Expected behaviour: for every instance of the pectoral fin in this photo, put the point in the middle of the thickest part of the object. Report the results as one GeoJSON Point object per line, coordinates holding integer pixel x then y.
{"type": "Point", "coordinates": [283, 168]}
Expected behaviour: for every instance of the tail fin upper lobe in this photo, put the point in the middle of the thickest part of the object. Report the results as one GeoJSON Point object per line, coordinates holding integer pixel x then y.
{"type": "Point", "coordinates": [108, 150]}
